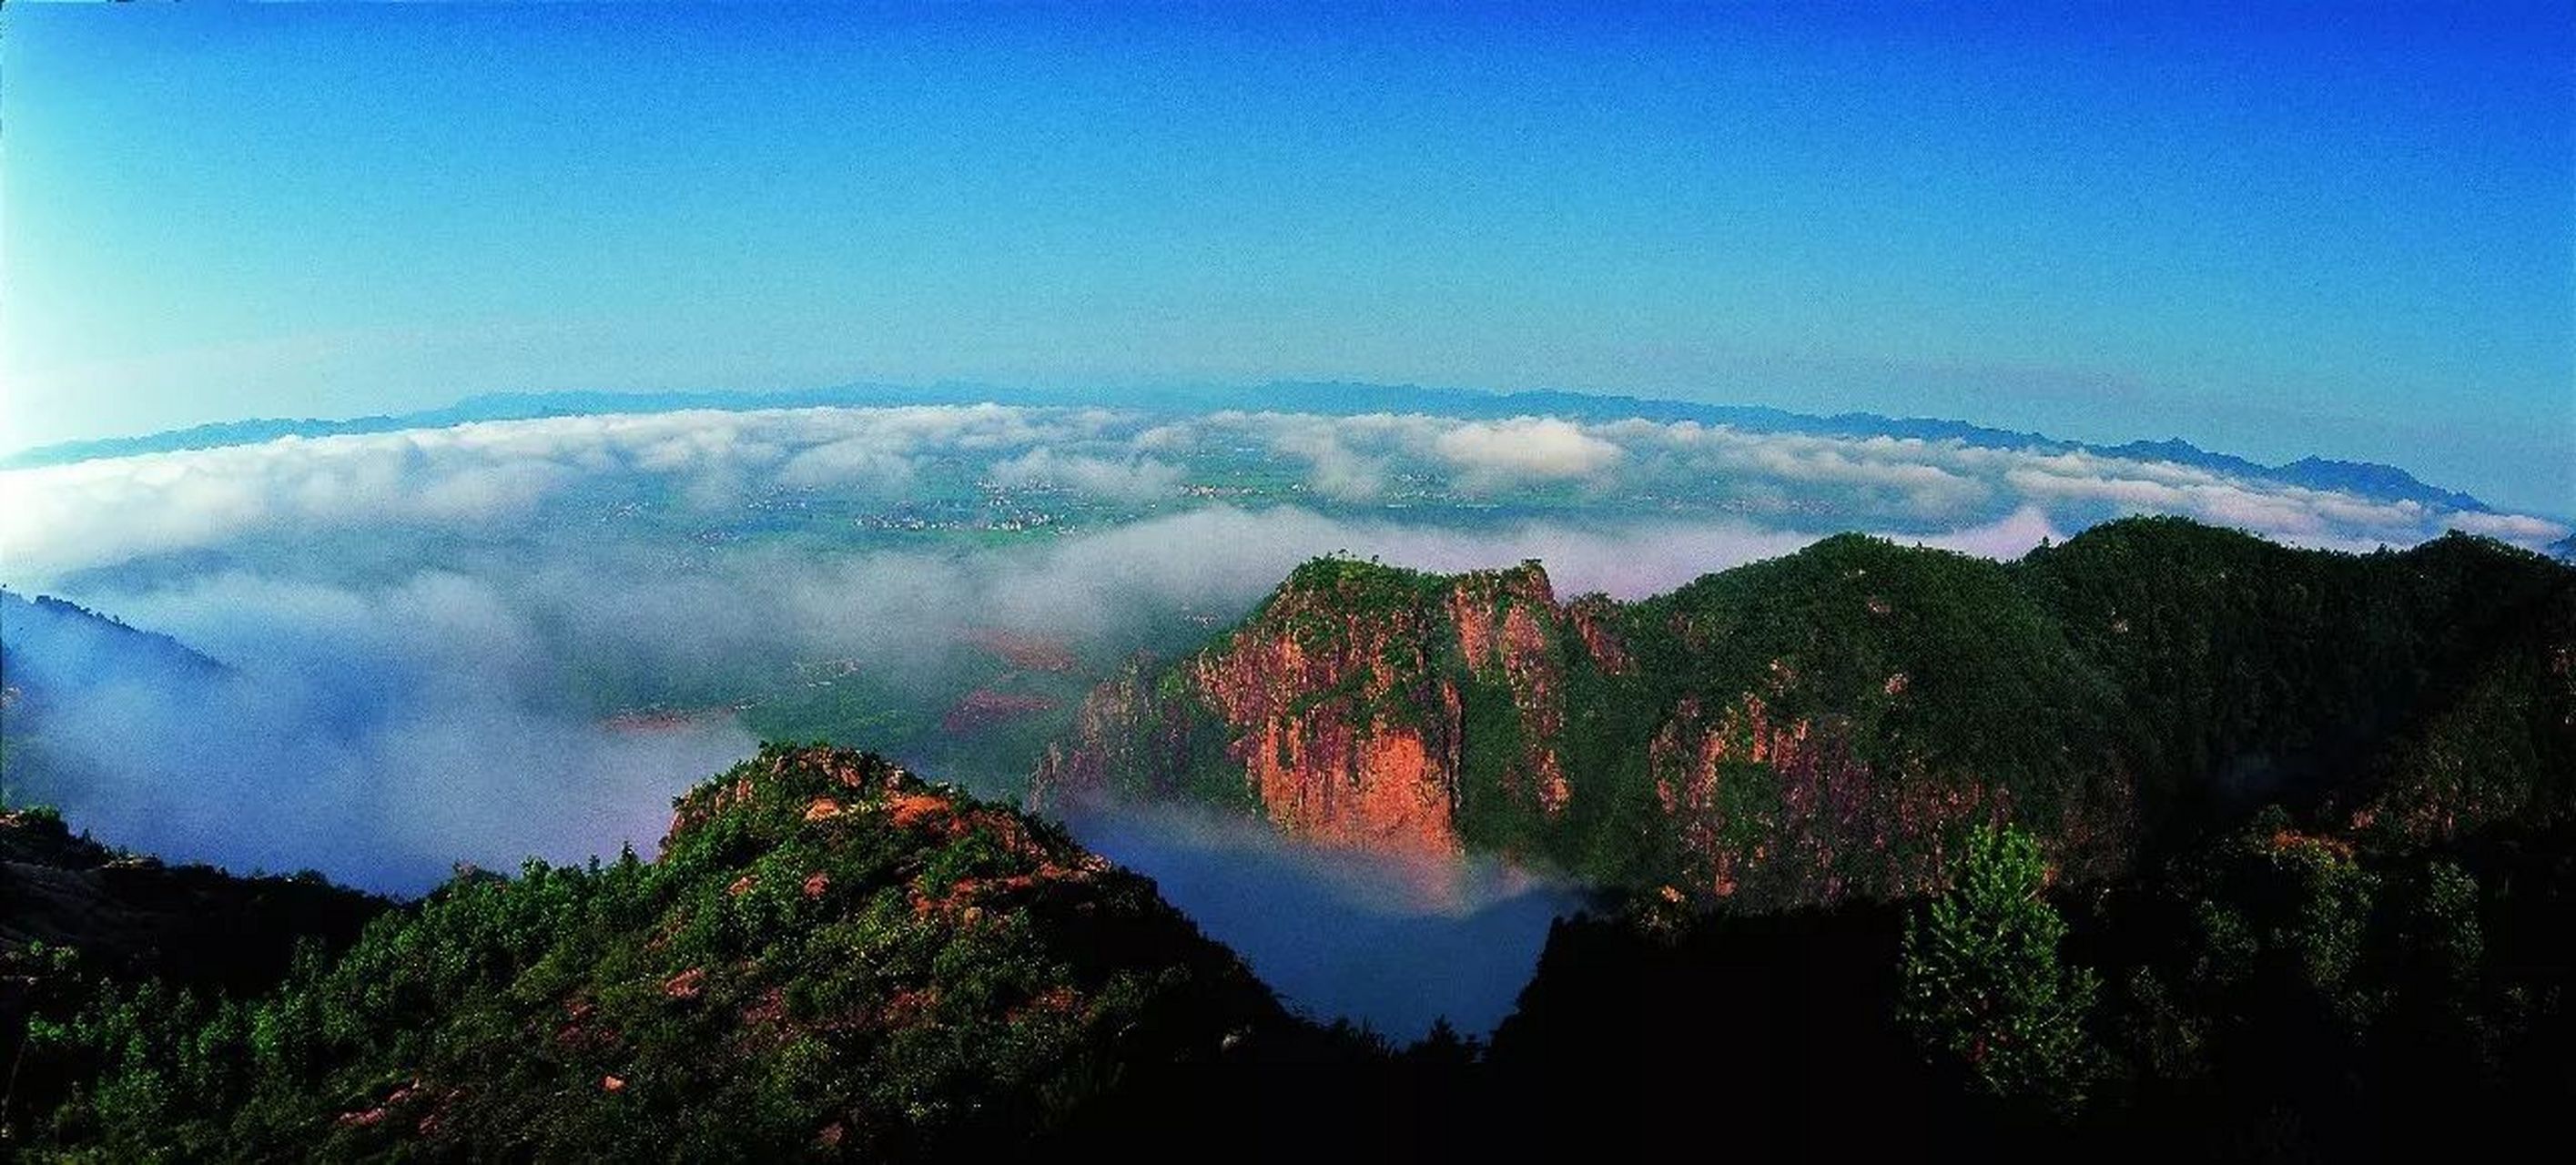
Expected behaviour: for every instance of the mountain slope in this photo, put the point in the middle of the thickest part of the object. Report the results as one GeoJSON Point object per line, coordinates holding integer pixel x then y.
{"type": "Point", "coordinates": [1827, 723]}
{"type": "Point", "coordinates": [56, 655]}
{"type": "Point", "coordinates": [49, 643]}
{"type": "Point", "coordinates": [828, 958]}
{"type": "Point", "coordinates": [72, 909]}
{"type": "Point", "coordinates": [135, 915]}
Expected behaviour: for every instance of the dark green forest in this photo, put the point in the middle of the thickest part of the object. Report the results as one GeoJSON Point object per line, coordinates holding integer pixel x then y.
{"type": "Point", "coordinates": [2149, 679]}
{"type": "Point", "coordinates": [2282, 869]}
{"type": "Point", "coordinates": [828, 955]}
{"type": "Point", "coordinates": [833, 959]}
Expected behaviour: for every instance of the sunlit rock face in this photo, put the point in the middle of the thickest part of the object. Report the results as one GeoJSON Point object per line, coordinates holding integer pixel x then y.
{"type": "Point", "coordinates": [1830, 724]}
{"type": "Point", "coordinates": [1362, 705]}
{"type": "Point", "coordinates": [1405, 713]}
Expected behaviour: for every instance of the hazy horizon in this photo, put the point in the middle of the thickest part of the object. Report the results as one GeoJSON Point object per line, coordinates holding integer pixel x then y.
{"type": "Point", "coordinates": [2275, 232]}
{"type": "Point", "coordinates": [2262, 232]}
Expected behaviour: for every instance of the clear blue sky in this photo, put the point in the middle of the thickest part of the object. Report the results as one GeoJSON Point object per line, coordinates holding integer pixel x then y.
{"type": "Point", "coordinates": [2341, 230]}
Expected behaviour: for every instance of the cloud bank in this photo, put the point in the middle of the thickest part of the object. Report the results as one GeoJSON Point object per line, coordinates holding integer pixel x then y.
{"type": "Point", "coordinates": [429, 630]}
{"type": "Point", "coordinates": [379, 736]}
{"type": "Point", "coordinates": [62, 519]}
{"type": "Point", "coordinates": [432, 619]}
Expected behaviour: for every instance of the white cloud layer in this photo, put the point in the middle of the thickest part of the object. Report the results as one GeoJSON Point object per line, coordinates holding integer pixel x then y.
{"type": "Point", "coordinates": [420, 621]}
{"type": "Point", "coordinates": [59, 519]}
{"type": "Point", "coordinates": [1535, 448]}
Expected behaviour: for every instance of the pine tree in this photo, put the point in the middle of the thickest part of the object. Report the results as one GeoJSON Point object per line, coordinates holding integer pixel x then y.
{"type": "Point", "coordinates": [1983, 991]}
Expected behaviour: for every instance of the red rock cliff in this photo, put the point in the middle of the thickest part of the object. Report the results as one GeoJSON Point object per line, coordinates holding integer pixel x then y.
{"type": "Point", "coordinates": [1410, 713]}
{"type": "Point", "coordinates": [1338, 708]}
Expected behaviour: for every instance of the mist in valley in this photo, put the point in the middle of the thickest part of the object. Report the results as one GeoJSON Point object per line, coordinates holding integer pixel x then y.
{"type": "Point", "coordinates": [523, 639]}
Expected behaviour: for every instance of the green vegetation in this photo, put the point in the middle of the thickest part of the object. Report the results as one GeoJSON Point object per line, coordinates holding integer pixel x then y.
{"type": "Point", "coordinates": [850, 708]}
{"type": "Point", "coordinates": [1833, 721]}
{"type": "Point", "coordinates": [829, 958]}
{"type": "Point", "coordinates": [2283, 870]}
{"type": "Point", "coordinates": [1982, 987]}
{"type": "Point", "coordinates": [1490, 815]}
{"type": "Point", "coordinates": [2262, 992]}
{"type": "Point", "coordinates": [2249, 671]}
{"type": "Point", "coordinates": [2339, 993]}
{"type": "Point", "coordinates": [1322, 598]}
{"type": "Point", "coordinates": [2163, 843]}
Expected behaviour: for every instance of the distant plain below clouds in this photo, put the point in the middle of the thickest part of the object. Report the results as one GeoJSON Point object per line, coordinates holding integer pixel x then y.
{"type": "Point", "coordinates": [433, 620]}
{"type": "Point", "coordinates": [533, 574]}
{"type": "Point", "coordinates": [59, 519]}
{"type": "Point", "coordinates": [433, 634]}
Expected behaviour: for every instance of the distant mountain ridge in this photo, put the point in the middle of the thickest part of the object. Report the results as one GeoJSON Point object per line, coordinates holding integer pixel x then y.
{"type": "Point", "coordinates": [56, 657]}
{"type": "Point", "coordinates": [76, 646]}
{"type": "Point", "coordinates": [1333, 398]}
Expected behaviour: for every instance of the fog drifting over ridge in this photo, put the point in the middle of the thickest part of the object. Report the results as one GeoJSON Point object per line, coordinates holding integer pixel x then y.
{"type": "Point", "coordinates": [383, 595]}
{"type": "Point", "coordinates": [418, 623]}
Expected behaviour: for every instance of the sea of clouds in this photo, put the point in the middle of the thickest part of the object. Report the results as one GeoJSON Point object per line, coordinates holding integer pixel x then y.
{"type": "Point", "coordinates": [408, 616]}
{"type": "Point", "coordinates": [63, 518]}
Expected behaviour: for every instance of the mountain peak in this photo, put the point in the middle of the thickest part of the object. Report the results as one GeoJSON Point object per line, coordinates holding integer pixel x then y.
{"type": "Point", "coordinates": [829, 957]}
{"type": "Point", "coordinates": [1822, 725]}
{"type": "Point", "coordinates": [2371, 479]}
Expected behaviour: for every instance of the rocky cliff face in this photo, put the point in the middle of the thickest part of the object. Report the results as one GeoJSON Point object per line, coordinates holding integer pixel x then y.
{"type": "Point", "coordinates": [1343, 733]}
{"type": "Point", "coordinates": [1830, 724]}
{"type": "Point", "coordinates": [1407, 713]}
{"type": "Point", "coordinates": [1340, 711]}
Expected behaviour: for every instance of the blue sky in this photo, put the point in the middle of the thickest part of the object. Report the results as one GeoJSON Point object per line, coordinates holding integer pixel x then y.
{"type": "Point", "coordinates": [2342, 230]}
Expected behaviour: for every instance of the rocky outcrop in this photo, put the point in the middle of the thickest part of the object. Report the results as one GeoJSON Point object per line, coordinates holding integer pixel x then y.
{"type": "Point", "coordinates": [1786, 810]}
{"type": "Point", "coordinates": [1340, 711]}
{"type": "Point", "coordinates": [1510, 629]}
{"type": "Point", "coordinates": [1343, 732]}
{"type": "Point", "coordinates": [829, 958]}
{"type": "Point", "coordinates": [1833, 723]}
{"type": "Point", "coordinates": [1409, 713]}
{"type": "Point", "coordinates": [1753, 797]}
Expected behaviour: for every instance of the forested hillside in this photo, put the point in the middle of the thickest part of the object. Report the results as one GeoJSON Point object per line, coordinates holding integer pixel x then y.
{"type": "Point", "coordinates": [2166, 842]}
{"type": "Point", "coordinates": [829, 957]}
{"type": "Point", "coordinates": [1833, 722]}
